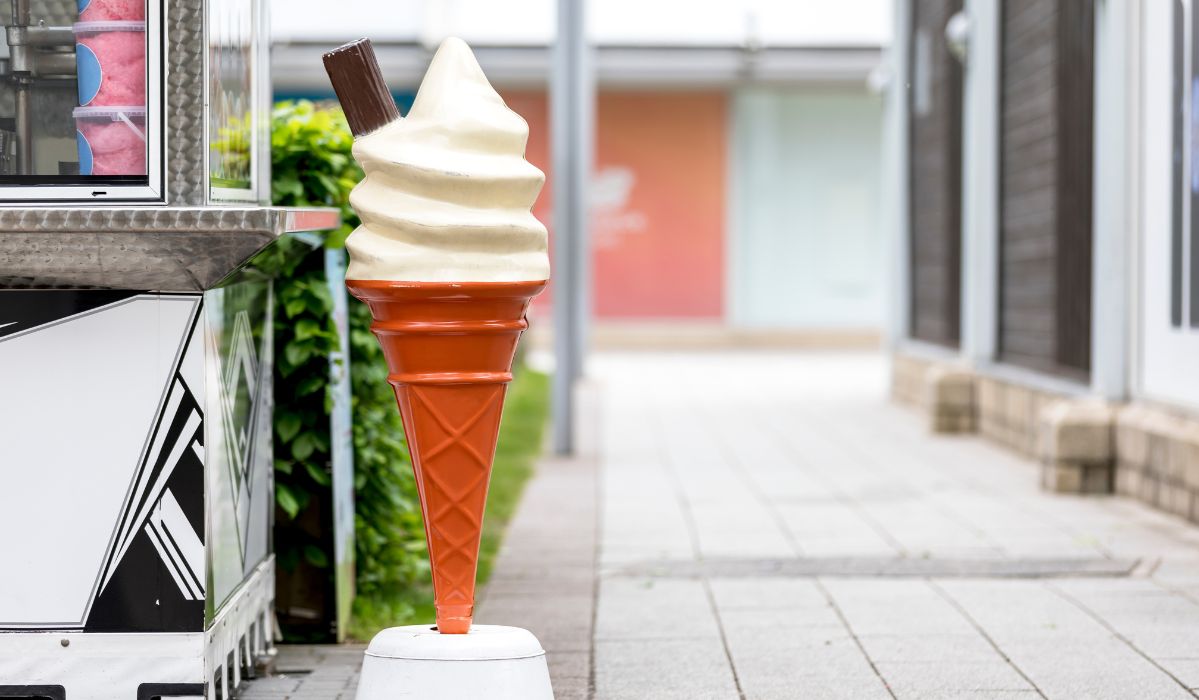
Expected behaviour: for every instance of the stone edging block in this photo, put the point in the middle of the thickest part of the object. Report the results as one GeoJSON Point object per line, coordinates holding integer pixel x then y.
{"type": "Point", "coordinates": [1076, 446]}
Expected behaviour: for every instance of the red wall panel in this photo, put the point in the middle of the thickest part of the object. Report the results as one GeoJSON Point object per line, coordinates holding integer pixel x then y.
{"type": "Point", "coordinates": [658, 201]}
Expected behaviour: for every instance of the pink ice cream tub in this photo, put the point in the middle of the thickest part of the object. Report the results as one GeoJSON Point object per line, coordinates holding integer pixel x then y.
{"type": "Point", "coordinates": [96, 10]}
{"type": "Point", "coordinates": [112, 140]}
{"type": "Point", "coordinates": [110, 60]}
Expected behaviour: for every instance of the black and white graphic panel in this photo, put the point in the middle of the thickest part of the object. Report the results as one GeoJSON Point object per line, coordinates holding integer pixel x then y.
{"type": "Point", "coordinates": [178, 436]}
{"type": "Point", "coordinates": [27, 309]}
{"type": "Point", "coordinates": [154, 577]}
{"type": "Point", "coordinates": [179, 545]}
{"type": "Point", "coordinates": [81, 398]}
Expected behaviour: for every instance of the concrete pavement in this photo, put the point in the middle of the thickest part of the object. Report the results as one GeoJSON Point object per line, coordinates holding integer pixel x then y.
{"type": "Point", "coordinates": [309, 672]}
{"type": "Point", "coordinates": [718, 471]}
{"type": "Point", "coordinates": [767, 525]}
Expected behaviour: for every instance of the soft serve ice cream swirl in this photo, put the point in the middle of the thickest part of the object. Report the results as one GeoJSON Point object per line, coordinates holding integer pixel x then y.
{"type": "Point", "coordinates": [447, 192]}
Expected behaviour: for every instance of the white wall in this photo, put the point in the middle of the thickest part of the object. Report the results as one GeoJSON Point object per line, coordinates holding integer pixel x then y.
{"type": "Point", "coordinates": [806, 236]}
{"type": "Point", "coordinates": [630, 22]}
{"type": "Point", "coordinates": [346, 20]}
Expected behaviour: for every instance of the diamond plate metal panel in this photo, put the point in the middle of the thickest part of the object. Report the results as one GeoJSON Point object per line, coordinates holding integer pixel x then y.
{"type": "Point", "coordinates": [186, 51]}
{"type": "Point", "coordinates": [163, 249]}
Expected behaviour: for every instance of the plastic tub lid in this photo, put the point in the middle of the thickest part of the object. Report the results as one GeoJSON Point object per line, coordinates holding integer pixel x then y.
{"type": "Point", "coordinates": [110, 113]}
{"type": "Point", "coordinates": [109, 26]}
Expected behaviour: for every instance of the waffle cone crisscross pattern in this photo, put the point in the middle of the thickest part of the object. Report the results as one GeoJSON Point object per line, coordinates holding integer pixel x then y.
{"type": "Point", "coordinates": [449, 348]}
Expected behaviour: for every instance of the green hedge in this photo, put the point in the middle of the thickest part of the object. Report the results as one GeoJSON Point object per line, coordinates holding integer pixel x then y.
{"type": "Point", "coordinates": [312, 166]}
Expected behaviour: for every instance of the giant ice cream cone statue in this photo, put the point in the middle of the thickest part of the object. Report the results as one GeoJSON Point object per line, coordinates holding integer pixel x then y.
{"type": "Point", "coordinates": [448, 257]}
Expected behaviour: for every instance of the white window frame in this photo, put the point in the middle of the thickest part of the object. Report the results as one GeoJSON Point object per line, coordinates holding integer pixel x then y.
{"type": "Point", "coordinates": [152, 192]}
{"type": "Point", "coordinates": [1167, 355]}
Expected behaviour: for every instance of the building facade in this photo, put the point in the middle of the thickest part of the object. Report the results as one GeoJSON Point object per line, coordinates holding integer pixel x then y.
{"type": "Point", "coordinates": [1038, 179]}
{"type": "Point", "coordinates": [736, 182]}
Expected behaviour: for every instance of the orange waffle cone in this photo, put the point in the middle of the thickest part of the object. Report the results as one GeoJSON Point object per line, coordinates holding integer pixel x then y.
{"type": "Point", "coordinates": [449, 348]}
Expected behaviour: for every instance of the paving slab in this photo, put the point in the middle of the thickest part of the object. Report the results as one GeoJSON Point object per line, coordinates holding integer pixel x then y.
{"type": "Point", "coordinates": [309, 672]}
{"type": "Point", "coordinates": [1061, 648]}
{"type": "Point", "coordinates": [920, 679]}
{"type": "Point", "coordinates": [654, 609]}
{"type": "Point", "coordinates": [804, 662]}
{"type": "Point", "coordinates": [907, 648]}
{"type": "Point", "coordinates": [663, 668]}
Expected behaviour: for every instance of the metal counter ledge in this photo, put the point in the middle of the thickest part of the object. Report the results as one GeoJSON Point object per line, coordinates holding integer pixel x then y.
{"type": "Point", "coordinates": [146, 248]}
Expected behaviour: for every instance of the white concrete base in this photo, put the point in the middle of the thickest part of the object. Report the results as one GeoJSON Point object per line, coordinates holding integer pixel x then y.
{"type": "Point", "coordinates": [493, 662]}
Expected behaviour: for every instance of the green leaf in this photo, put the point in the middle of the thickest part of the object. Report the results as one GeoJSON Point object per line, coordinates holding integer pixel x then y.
{"type": "Point", "coordinates": [316, 556]}
{"type": "Point", "coordinates": [321, 292]}
{"type": "Point", "coordinates": [337, 239]}
{"type": "Point", "coordinates": [287, 185]}
{"type": "Point", "coordinates": [294, 307]}
{"type": "Point", "coordinates": [318, 474]}
{"type": "Point", "coordinates": [302, 447]}
{"type": "Point", "coordinates": [296, 353]}
{"type": "Point", "coordinates": [327, 182]}
{"type": "Point", "coordinates": [287, 500]}
{"type": "Point", "coordinates": [287, 425]}
{"type": "Point", "coordinates": [283, 466]}
{"type": "Point", "coordinates": [307, 328]}
{"type": "Point", "coordinates": [311, 384]}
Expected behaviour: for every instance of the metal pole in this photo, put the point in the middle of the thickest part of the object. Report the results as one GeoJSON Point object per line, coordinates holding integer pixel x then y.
{"type": "Point", "coordinates": [980, 172]}
{"type": "Point", "coordinates": [583, 144]}
{"type": "Point", "coordinates": [21, 61]}
{"type": "Point", "coordinates": [571, 103]}
{"type": "Point", "coordinates": [1113, 208]}
{"type": "Point", "coordinates": [895, 176]}
{"type": "Point", "coordinates": [24, 127]}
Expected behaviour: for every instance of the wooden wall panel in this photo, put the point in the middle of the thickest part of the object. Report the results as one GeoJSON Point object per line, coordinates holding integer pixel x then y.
{"type": "Point", "coordinates": [935, 177]}
{"type": "Point", "coordinates": [1046, 96]}
{"type": "Point", "coordinates": [1076, 32]}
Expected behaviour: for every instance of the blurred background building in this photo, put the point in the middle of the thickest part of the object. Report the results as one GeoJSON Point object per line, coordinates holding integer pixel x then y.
{"type": "Point", "coordinates": [1043, 202]}
{"type": "Point", "coordinates": [736, 189]}
{"type": "Point", "coordinates": [1006, 188]}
